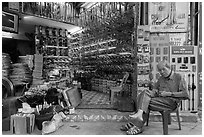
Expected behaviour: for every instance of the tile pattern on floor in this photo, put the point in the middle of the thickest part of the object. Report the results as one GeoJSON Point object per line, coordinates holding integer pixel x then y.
{"type": "Point", "coordinates": [93, 99]}
{"type": "Point", "coordinates": [83, 115]}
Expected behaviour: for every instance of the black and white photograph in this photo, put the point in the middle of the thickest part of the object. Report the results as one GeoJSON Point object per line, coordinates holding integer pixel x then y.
{"type": "Point", "coordinates": [101, 68]}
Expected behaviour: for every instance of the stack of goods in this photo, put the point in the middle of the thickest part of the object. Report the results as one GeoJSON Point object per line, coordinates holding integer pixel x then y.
{"type": "Point", "coordinates": [38, 67]}
{"type": "Point", "coordinates": [28, 59]}
{"type": "Point", "coordinates": [21, 74]}
{"type": "Point", "coordinates": [6, 64]}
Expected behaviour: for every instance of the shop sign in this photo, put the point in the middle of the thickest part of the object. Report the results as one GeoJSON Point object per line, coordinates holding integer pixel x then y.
{"type": "Point", "coordinates": [177, 39]}
{"type": "Point", "coordinates": [13, 6]}
{"type": "Point", "coordinates": [183, 50]}
{"type": "Point", "coordinates": [159, 40]}
{"type": "Point", "coordinates": [168, 16]}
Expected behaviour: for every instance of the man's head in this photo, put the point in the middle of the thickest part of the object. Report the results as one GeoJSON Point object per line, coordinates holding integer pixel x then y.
{"type": "Point", "coordinates": [164, 68]}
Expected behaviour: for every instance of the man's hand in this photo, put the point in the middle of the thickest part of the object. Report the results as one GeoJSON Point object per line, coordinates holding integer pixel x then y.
{"type": "Point", "coordinates": [165, 94]}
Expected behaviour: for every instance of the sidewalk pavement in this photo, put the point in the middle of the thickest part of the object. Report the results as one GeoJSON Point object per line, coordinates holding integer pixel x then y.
{"type": "Point", "coordinates": [108, 122]}
{"type": "Point", "coordinates": [113, 128]}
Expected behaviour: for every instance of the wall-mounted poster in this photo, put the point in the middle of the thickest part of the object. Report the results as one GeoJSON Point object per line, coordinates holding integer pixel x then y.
{"type": "Point", "coordinates": [177, 39]}
{"type": "Point", "coordinates": [168, 16]}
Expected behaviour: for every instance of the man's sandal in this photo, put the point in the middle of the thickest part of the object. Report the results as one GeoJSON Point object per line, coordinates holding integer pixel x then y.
{"type": "Point", "coordinates": [127, 126]}
{"type": "Point", "coordinates": [134, 130]}
{"type": "Point", "coordinates": [132, 113]}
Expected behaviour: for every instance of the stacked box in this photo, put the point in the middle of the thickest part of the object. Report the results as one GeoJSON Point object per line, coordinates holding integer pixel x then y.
{"type": "Point", "coordinates": [102, 85]}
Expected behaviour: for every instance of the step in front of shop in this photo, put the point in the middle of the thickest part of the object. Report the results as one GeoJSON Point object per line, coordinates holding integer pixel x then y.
{"type": "Point", "coordinates": [114, 115]}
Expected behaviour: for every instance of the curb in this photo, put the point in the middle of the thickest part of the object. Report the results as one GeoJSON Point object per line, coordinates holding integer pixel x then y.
{"type": "Point", "coordinates": [123, 117]}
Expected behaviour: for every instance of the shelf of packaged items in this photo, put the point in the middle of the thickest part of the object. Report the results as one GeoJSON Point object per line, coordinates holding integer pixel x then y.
{"type": "Point", "coordinates": [63, 68]}
{"type": "Point", "coordinates": [58, 81]}
{"type": "Point", "coordinates": [98, 50]}
{"type": "Point", "coordinates": [61, 61]}
{"type": "Point", "coordinates": [101, 42]}
{"type": "Point", "coordinates": [60, 68]}
{"type": "Point", "coordinates": [51, 46]}
{"type": "Point", "coordinates": [56, 57]}
{"type": "Point", "coordinates": [74, 43]}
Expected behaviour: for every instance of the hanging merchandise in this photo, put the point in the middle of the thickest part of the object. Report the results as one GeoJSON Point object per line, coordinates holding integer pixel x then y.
{"type": "Point", "coordinates": [143, 55]}
{"type": "Point", "coordinates": [184, 61]}
{"type": "Point", "coordinates": [159, 50]}
{"type": "Point", "coordinates": [106, 50]}
{"type": "Point", "coordinates": [168, 16]}
{"type": "Point", "coordinates": [59, 11]}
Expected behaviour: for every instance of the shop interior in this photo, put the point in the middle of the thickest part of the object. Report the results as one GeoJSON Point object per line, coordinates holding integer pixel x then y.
{"type": "Point", "coordinates": [84, 54]}
{"type": "Point", "coordinates": [32, 37]}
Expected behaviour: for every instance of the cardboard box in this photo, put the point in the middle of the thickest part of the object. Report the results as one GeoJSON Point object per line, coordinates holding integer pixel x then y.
{"type": "Point", "coordinates": [38, 58]}
{"type": "Point", "coordinates": [22, 123]}
{"type": "Point", "coordinates": [73, 96]}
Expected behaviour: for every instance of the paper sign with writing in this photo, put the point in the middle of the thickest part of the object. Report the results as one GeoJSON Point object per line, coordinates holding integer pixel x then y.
{"type": "Point", "coordinates": [159, 40]}
{"type": "Point", "coordinates": [177, 39]}
{"type": "Point", "coordinates": [168, 16]}
{"type": "Point", "coordinates": [183, 50]}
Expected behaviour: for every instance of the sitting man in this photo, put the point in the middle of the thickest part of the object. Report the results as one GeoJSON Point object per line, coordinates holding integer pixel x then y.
{"type": "Point", "coordinates": [166, 94]}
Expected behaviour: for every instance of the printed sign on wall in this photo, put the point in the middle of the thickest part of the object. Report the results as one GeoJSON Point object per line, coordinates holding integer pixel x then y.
{"type": "Point", "coordinates": [177, 39]}
{"type": "Point", "coordinates": [159, 40]}
{"type": "Point", "coordinates": [168, 16]}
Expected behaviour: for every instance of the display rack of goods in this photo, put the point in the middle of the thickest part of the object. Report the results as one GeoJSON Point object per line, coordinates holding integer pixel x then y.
{"type": "Point", "coordinates": [6, 64]}
{"type": "Point", "coordinates": [20, 74]}
{"type": "Point", "coordinates": [53, 43]}
{"type": "Point", "coordinates": [106, 46]}
{"type": "Point", "coordinates": [143, 55]}
{"type": "Point", "coordinates": [75, 46]}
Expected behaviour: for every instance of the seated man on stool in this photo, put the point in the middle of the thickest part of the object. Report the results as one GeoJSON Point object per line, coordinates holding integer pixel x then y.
{"type": "Point", "coordinates": [166, 94]}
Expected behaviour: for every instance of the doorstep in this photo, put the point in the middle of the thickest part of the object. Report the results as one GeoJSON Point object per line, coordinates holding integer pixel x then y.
{"type": "Point", "coordinates": [83, 115]}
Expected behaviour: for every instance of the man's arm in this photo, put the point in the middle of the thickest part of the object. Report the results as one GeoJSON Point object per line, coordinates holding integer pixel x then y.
{"type": "Point", "coordinates": [182, 91]}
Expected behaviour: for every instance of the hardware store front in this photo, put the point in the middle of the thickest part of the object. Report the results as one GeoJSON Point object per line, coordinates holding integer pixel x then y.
{"type": "Point", "coordinates": [95, 55]}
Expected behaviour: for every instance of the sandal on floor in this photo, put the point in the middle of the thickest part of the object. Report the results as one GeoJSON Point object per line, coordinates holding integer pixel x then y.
{"type": "Point", "coordinates": [134, 131]}
{"type": "Point", "coordinates": [127, 126]}
{"type": "Point", "coordinates": [132, 113]}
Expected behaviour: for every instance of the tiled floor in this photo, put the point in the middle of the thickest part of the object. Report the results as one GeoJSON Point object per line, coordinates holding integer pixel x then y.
{"type": "Point", "coordinates": [93, 99]}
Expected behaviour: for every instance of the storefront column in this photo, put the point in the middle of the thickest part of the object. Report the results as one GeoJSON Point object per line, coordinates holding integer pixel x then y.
{"type": "Point", "coordinates": [136, 10]}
